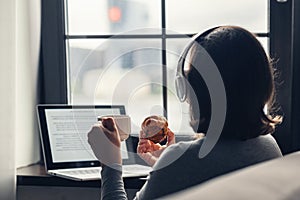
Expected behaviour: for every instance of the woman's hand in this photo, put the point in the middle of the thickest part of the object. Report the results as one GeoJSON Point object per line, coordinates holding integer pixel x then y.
{"type": "Point", "coordinates": [150, 152]}
{"type": "Point", "coordinates": [105, 142]}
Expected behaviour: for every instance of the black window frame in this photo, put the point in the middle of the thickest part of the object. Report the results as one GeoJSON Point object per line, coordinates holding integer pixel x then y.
{"type": "Point", "coordinates": [53, 81]}
{"type": "Point", "coordinates": [284, 47]}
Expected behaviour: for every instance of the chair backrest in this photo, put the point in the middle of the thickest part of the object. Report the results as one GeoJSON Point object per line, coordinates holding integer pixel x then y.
{"type": "Point", "coordinates": [275, 179]}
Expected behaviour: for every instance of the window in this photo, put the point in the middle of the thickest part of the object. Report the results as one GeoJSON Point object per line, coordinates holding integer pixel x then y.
{"type": "Point", "coordinates": [125, 52]}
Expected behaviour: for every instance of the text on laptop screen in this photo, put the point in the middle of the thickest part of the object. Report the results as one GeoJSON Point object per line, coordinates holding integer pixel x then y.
{"type": "Point", "coordinates": [68, 130]}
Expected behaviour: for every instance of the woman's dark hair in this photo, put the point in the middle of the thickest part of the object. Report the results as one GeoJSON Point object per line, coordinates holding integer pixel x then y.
{"type": "Point", "coordinates": [248, 78]}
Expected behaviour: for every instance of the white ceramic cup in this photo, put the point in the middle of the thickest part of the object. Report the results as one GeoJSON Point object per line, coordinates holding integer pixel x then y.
{"type": "Point", "coordinates": [123, 123]}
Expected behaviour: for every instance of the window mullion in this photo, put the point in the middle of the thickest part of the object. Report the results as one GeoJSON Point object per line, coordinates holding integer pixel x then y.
{"type": "Point", "coordinates": [164, 59]}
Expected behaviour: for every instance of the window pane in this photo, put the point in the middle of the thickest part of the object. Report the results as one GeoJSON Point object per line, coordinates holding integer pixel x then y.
{"type": "Point", "coordinates": [192, 16]}
{"type": "Point", "coordinates": [265, 43]}
{"type": "Point", "coordinates": [129, 71]}
{"type": "Point", "coordinates": [92, 17]}
{"type": "Point", "coordinates": [117, 71]}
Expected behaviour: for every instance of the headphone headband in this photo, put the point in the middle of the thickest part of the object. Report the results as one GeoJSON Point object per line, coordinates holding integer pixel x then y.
{"type": "Point", "coordinates": [180, 80]}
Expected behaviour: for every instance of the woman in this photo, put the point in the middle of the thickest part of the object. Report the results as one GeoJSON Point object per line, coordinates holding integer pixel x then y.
{"type": "Point", "coordinates": [245, 139]}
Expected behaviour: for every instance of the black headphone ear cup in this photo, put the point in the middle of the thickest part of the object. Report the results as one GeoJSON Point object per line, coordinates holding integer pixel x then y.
{"type": "Point", "coordinates": [180, 84]}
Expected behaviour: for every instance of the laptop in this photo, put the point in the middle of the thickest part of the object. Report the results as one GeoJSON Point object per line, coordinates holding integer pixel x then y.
{"type": "Point", "coordinates": [67, 154]}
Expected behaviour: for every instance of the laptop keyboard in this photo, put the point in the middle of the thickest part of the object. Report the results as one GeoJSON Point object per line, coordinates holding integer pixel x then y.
{"type": "Point", "coordinates": [135, 168]}
{"type": "Point", "coordinates": [127, 169]}
{"type": "Point", "coordinates": [83, 172]}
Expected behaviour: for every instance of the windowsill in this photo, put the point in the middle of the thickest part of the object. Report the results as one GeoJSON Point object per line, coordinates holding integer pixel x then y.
{"type": "Point", "coordinates": [35, 175]}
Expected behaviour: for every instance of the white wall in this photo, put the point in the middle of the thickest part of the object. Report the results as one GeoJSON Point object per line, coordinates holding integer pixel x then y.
{"type": "Point", "coordinates": [7, 99]}
{"type": "Point", "coordinates": [28, 41]}
{"type": "Point", "coordinates": [19, 46]}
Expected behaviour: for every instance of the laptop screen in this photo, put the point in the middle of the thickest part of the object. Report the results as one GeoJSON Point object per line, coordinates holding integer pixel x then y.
{"type": "Point", "coordinates": [64, 131]}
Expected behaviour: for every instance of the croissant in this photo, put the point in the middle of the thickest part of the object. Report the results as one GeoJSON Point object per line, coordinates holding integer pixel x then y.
{"type": "Point", "coordinates": [154, 128]}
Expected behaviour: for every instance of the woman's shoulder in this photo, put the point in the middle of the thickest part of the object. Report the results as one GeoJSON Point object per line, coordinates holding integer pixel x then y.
{"type": "Point", "coordinates": [269, 143]}
{"type": "Point", "coordinates": [174, 152]}
{"type": "Point", "coordinates": [264, 140]}
{"type": "Point", "coordinates": [183, 146]}
{"type": "Point", "coordinates": [259, 148]}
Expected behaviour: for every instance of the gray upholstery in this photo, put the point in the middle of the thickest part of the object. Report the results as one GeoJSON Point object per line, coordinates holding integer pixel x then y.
{"type": "Point", "coordinates": [275, 179]}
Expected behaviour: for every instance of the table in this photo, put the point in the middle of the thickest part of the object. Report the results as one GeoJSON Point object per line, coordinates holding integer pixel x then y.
{"type": "Point", "coordinates": [33, 183]}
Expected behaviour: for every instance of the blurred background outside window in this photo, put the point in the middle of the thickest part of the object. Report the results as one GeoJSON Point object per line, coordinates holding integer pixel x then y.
{"type": "Point", "coordinates": [126, 52]}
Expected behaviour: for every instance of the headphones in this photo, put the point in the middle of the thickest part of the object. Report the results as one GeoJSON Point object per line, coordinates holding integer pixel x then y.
{"type": "Point", "coordinates": [180, 79]}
